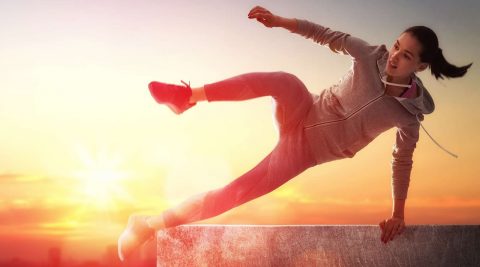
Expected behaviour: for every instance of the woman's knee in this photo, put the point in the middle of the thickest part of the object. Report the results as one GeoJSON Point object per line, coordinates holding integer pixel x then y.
{"type": "Point", "coordinates": [287, 77]}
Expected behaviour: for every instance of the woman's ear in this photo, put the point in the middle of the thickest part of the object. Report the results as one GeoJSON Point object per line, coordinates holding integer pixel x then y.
{"type": "Point", "coordinates": [422, 66]}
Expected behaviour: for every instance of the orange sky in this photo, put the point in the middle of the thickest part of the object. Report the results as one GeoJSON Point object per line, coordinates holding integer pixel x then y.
{"type": "Point", "coordinates": [82, 144]}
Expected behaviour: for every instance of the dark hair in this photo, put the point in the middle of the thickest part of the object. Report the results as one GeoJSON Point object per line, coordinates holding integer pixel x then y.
{"type": "Point", "coordinates": [433, 55]}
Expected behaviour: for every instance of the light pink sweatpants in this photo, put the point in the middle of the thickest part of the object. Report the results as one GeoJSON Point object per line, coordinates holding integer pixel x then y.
{"type": "Point", "coordinates": [291, 155]}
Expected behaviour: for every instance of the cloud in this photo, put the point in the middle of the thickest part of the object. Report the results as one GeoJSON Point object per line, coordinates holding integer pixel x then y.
{"type": "Point", "coordinates": [9, 177]}
{"type": "Point", "coordinates": [23, 212]}
{"type": "Point", "coordinates": [66, 221]}
{"type": "Point", "coordinates": [293, 195]}
{"type": "Point", "coordinates": [446, 202]}
{"type": "Point", "coordinates": [299, 196]}
{"type": "Point", "coordinates": [20, 178]}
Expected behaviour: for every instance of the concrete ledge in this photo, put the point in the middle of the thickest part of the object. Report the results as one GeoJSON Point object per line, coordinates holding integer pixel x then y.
{"type": "Point", "coordinates": [317, 245]}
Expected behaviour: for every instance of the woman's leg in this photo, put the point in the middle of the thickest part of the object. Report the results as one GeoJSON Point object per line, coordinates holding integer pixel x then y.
{"type": "Point", "coordinates": [292, 100]}
{"type": "Point", "coordinates": [290, 157]}
{"type": "Point", "coordinates": [251, 85]}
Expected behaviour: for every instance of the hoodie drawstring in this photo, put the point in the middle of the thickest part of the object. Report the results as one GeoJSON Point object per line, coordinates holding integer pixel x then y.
{"type": "Point", "coordinates": [434, 139]}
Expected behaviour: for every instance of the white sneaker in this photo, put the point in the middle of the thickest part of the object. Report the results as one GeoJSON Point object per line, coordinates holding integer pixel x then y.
{"type": "Point", "coordinates": [135, 235]}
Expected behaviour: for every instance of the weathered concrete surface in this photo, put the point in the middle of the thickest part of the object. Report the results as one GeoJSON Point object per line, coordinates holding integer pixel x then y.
{"type": "Point", "coordinates": [317, 245]}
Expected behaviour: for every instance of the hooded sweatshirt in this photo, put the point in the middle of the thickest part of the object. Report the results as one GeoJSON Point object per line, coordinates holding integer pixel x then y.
{"type": "Point", "coordinates": [353, 112]}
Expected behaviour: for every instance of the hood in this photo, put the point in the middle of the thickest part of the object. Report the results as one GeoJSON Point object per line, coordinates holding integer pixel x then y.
{"type": "Point", "coordinates": [422, 104]}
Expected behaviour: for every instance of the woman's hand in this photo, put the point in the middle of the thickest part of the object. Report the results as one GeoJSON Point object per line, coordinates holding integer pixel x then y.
{"type": "Point", "coordinates": [391, 227]}
{"type": "Point", "coordinates": [264, 16]}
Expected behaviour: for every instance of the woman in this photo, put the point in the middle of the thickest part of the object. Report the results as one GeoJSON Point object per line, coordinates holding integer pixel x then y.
{"type": "Point", "coordinates": [379, 92]}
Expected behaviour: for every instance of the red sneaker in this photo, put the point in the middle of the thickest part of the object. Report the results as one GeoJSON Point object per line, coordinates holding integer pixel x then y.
{"type": "Point", "coordinates": [176, 97]}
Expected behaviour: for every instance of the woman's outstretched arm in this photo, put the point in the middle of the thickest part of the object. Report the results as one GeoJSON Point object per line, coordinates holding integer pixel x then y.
{"type": "Point", "coordinates": [337, 41]}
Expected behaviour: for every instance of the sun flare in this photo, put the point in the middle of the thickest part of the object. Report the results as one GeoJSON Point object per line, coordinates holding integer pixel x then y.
{"type": "Point", "coordinates": [101, 180]}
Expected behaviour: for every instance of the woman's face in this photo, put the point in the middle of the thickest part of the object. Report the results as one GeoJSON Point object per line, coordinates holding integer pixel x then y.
{"type": "Point", "coordinates": [404, 57]}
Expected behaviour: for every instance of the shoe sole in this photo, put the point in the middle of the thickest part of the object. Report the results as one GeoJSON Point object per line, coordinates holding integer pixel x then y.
{"type": "Point", "coordinates": [172, 107]}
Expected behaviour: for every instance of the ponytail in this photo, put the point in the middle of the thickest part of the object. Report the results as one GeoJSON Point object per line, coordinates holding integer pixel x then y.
{"type": "Point", "coordinates": [433, 54]}
{"type": "Point", "coordinates": [440, 67]}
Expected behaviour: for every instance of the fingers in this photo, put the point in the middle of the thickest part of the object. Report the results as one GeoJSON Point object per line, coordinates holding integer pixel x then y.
{"type": "Point", "coordinates": [259, 12]}
{"type": "Point", "coordinates": [257, 9]}
{"type": "Point", "coordinates": [394, 232]}
{"type": "Point", "coordinates": [266, 20]}
{"type": "Point", "coordinates": [382, 226]}
{"type": "Point", "coordinates": [260, 15]}
{"type": "Point", "coordinates": [263, 16]}
{"type": "Point", "coordinates": [391, 228]}
{"type": "Point", "coordinates": [387, 231]}
{"type": "Point", "coordinates": [254, 9]}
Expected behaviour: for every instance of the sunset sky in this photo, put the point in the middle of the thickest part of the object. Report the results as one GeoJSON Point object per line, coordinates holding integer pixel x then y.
{"type": "Point", "coordinates": [83, 145]}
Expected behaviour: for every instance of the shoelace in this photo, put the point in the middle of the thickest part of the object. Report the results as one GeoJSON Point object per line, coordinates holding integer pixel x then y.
{"type": "Point", "coordinates": [454, 155]}
{"type": "Point", "coordinates": [187, 85]}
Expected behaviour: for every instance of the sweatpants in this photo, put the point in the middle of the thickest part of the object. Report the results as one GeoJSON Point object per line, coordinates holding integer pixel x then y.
{"type": "Point", "coordinates": [290, 156]}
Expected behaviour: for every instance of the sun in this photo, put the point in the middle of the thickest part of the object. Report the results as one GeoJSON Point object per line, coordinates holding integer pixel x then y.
{"type": "Point", "coordinates": [100, 181]}
{"type": "Point", "coordinates": [99, 185]}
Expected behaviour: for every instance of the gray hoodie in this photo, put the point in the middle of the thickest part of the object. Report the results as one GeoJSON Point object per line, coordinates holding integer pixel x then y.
{"type": "Point", "coordinates": [350, 114]}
